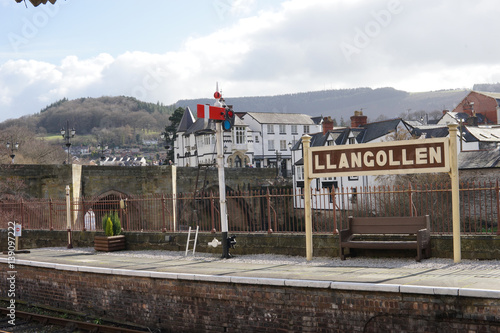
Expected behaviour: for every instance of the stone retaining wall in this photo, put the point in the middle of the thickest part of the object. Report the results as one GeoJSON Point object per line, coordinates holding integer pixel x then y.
{"type": "Point", "coordinates": [473, 247]}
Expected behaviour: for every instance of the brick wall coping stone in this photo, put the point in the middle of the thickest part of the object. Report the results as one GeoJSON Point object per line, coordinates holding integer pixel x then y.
{"type": "Point", "coordinates": [355, 286]}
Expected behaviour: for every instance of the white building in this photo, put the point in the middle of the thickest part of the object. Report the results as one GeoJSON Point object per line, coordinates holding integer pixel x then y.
{"type": "Point", "coordinates": [258, 139]}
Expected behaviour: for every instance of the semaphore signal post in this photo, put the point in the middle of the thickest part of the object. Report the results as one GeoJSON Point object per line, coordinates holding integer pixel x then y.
{"type": "Point", "coordinates": [224, 120]}
{"type": "Point", "coordinates": [397, 157]}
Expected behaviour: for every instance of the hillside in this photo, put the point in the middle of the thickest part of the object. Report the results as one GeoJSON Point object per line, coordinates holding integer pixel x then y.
{"type": "Point", "coordinates": [341, 103]}
{"type": "Point", "coordinates": [89, 114]}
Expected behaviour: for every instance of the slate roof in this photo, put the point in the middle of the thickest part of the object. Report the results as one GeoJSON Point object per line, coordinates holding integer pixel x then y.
{"type": "Point", "coordinates": [187, 120]}
{"type": "Point", "coordinates": [317, 120]}
{"type": "Point", "coordinates": [377, 129]}
{"type": "Point", "coordinates": [363, 134]}
{"type": "Point", "coordinates": [442, 132]}
{"type": "Point", "coordinates": [280, 118]}
{"type": "Point", "coordinates": [200, 126]}
{"type": "Point", "coordinates": [431, 131]}
{"type": "Point", "coordinates": [479, 159]}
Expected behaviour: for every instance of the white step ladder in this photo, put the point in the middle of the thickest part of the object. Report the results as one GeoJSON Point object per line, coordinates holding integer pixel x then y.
{"type": "Point", "coordinates": [191, 240]}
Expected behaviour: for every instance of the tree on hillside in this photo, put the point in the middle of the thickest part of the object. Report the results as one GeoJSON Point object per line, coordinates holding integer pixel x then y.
{"type": "Point", "coordinates": [175, 120]}
{"type": "Point", "coordinates": [87, 113]}
{"type": "Point", "coordinates": [171, 132]}
{"type": "Point", "coordinates": [32, 150]}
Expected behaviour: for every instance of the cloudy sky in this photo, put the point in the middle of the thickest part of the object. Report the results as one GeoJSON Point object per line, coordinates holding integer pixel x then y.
{"type": "Point", "coordinates": [166, 50]}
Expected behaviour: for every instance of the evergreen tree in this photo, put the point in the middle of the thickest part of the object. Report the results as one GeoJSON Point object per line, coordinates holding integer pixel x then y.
{"type": "Point", "coordinates": [109, 227]}
{"type": "Point", "coordinates": [171, 132]}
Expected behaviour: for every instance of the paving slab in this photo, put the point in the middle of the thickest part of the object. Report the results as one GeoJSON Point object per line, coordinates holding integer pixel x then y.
{"type": "Point", "coordinates": [439, 276]}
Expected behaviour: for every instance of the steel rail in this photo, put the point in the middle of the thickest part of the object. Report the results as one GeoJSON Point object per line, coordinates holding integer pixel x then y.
{"type": "Point", "coordinates": [90, 327]}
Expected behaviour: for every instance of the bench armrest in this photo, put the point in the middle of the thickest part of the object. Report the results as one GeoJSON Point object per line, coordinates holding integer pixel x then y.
{"type": "Point", "coordinates": [345, 235]}
{"type": "Point", "coordinates": [424, 236]}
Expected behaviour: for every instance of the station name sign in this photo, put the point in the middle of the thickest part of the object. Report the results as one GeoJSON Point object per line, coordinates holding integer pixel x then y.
{"type": "Point", "coordinates": [395, 157]}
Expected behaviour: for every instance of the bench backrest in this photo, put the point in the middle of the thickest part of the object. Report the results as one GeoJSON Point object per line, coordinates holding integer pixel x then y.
{"type": "Point", "coordinates": [388, 225]}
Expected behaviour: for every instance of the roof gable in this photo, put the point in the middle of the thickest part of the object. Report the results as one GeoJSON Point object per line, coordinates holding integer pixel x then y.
{"type": "Point", "coordinates": [378, 129]}
{"type": "Point", "coordinates": [187, 120]}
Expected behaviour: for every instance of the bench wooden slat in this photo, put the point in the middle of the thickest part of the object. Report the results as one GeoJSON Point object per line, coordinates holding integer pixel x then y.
{"type": "Point", "coordinates": [419, 225]}
{"type": "Point", "coordinates": [388, 225]}
{"type": "Point", "coordinates": [400, 245]}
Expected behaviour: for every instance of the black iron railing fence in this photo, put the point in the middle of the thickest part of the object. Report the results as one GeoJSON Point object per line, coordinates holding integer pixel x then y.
{"type": "Point", "coordinates": [276, 210]}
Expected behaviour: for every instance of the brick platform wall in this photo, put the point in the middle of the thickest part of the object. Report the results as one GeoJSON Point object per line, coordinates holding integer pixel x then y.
{"type": "Point", "coordinates": [190, 304]}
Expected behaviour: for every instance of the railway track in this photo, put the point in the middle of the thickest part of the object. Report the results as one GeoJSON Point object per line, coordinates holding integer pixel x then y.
{"type": "Point", "coordinates": [31, 322]}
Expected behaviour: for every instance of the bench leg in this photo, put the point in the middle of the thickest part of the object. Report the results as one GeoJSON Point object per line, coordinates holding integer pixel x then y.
{"type": "Point", "coordinates": [428, 251]}
{"type": "Point", "coordinates": [342, 254]}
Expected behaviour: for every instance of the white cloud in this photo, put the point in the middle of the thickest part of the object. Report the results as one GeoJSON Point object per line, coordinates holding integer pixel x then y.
{"type": "Point", "coordinates": [412, 45]}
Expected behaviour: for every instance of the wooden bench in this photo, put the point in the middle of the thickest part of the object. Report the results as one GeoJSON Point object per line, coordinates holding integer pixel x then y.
{"type": "Point", "coordinates": [418, 225]}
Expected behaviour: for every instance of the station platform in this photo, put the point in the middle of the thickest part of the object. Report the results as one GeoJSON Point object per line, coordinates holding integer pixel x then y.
{"type": "Point", "coordinates": [431, 276]}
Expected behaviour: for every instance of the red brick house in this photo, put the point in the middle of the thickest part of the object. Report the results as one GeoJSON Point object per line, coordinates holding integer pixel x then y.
{"type": "Point", "coordinates": [484, 105]}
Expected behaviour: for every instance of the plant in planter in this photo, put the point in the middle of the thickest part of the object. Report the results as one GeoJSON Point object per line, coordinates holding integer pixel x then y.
{"type": "Point", "coordinates": [113, 241]}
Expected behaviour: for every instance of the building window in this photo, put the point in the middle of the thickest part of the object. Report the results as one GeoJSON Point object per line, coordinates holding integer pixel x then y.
{"type": "Point", "coordinates": [283, 145]}
{"type": "Point", "coordinates": [306, 129]}
{"type": "Point", "coordinates": [256, 139]}
{"type": "Point", "coordinates": [270, 129]}
{"type": "Point", "coordinates": [239, 132]}
{"type": "Point", "coordinates": [200, 141]}
{"type": "Point", "coordinates": [294, 129]}
{"type": "Point", "coordinates": [300, 172]}
{"type": "Point", "coordinates": [207, 140]}
{"type": "Point", "coordinates": [282, 129]}
{"type": "Point", "coordinates": [352, 141]}
{"type": "Point", "coordinates": [270, 144]}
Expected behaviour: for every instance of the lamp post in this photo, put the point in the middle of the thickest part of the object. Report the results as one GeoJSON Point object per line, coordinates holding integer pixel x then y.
{"type": "Point", "coordinates": [291, 158]}
{"type": "Point", "coordinates": [13, 147]}
{"type": "Point", "coordinates": [68, 134]}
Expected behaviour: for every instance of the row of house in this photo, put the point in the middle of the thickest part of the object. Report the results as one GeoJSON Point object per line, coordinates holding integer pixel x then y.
{"type": "Point", "coordinates": [264, 140]}
{"type": "Point", "coordinates": [273, 140]}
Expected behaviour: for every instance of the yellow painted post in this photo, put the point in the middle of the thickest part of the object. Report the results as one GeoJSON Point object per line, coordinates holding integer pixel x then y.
{"type": "Point", "coordinates": [174, 197]}
{"type": "Point", "coordinates": [306, 142]}
{"type": "Point", "coordinates": [455, 192]}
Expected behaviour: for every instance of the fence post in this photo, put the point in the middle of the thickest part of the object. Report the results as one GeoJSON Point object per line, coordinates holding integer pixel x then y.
{"type": "Point", "coordinates": [212, 211]}
{"type": "Point", "coordinates": [268, 197]}
{"type": "Point", "coordinates": [497, 190]}
{"type": "Point", "coordinates": [163, 213]}
{"type": "Point", "coordinates": [51, 226]}
{"type": "Point", "coordinates": [22, 212]}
